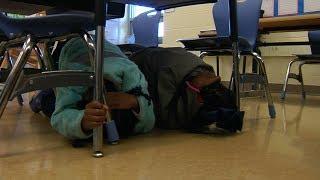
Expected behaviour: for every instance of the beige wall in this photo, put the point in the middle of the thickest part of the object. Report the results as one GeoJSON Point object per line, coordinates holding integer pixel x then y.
{"type": "Point", "coordinates": [186, 22]}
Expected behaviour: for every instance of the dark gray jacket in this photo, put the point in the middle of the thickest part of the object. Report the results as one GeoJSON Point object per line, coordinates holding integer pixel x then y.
{"type": "Point", "coordinates": [165, 70]}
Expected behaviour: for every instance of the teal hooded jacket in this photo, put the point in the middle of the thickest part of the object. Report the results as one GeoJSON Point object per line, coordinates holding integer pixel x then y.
{"type": "Point", "coordinates": [118, 69]}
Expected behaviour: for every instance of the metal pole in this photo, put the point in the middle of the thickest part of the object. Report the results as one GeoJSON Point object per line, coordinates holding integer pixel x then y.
{"type": "Point", "coordinates": [100, 10]}
{"type": "Point", "coordinates": [235, 48]}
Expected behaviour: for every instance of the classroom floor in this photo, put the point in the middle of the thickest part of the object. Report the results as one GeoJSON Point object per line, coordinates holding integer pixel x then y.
{"type": "Point", "coordinates": [285, 148]}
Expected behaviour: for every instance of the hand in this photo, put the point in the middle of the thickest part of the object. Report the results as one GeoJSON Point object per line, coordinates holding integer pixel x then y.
{"type": "Point", "coordinates": [120, 100]}
{"type": "Point", "coordinates": [94, 115]}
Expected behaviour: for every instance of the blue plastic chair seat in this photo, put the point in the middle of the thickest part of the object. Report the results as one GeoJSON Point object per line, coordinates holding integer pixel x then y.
{"type": "Point", "coordinates": [46, 26]}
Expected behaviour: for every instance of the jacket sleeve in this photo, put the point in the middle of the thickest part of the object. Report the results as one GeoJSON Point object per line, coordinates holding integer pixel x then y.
{"type": "Point", "coordinates": [146, 115]}
{"type": "Point", "coordinates": [128, 76]}
{"type": "Point", "coordinates": [67, 118]}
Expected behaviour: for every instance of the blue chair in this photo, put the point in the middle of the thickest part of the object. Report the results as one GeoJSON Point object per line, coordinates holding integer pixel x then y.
{"type": "Point", "coordinates": [28, 32]}
{"type": "Point", "coordinates": [145, 29]}
{"type": "Point", "coordinates": [313, 58]}
{"type": "Point", "coordinates": [248, 23]}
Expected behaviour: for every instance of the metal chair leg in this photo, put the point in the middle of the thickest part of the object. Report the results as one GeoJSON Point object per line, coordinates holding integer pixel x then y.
{"type": "Point", "coordinates": [90, 44]}
{"type": "Point", "coordinates": [15, 73]}
{"type": "Point", "coordinates": [10, 60]}
{"type": "Point", "coordinates": [272, 111]}
{"type": "Point", "coordinates": [2, 57]}
{"type": "Point", "coordinates": [303, 92]}
{"type": "Point", "coordinates": [2, 47]}
{"type": "Point", "coordinates": [10, 65]}
{"type": "Point", "coordinates": [244, 64]}
{"type": "Point", "coordinates": [218, 65]}
{"type": "Point", "coordinates": [244, 61]}
{"type": "Point", "coordinates": [231, 82]}
{"type": "Point", "coordinates": [20, 100]}
{"type": "Point", "coordinates": [40, 57]}
{"type": "Point", "coordinates": [3, 52]}
{"type": "Point", "coordinates": [203, 54]}
{"type": "Point", "coordinates": [236, 73]}
{"type": "Point", "coordinates": [47, 57]}
{"type": "Point", "coordinates": [285, 84]}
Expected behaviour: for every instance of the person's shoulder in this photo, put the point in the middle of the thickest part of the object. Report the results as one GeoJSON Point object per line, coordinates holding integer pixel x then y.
{"type": "Point", "coordinates": [75, 44]}
{"type": "Point", "coordinates": [74, 48]}
{"type": "Point", "coordinates": [74, 55]}
{"type": "Point", "coordinates": [113, 49]}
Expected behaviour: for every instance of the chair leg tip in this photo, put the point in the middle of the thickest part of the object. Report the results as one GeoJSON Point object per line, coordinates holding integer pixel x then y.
{"type": "Point", "coordinates": [283, 96]}
{"type": "Point", "coordinates": [97, 154]}
{"type": "Point", "coordinates": [272, 111]}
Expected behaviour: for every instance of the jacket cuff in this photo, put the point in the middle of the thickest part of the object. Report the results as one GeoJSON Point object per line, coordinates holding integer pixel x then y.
{"type": "Point", "coordinates": [77, 128]}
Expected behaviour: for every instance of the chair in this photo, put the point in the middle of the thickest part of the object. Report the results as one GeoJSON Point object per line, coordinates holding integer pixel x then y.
{"type": "Point", "coordinates": [313, 58]}
{"type": "Point", "coordinates": [29, 32]}
{"type": "Point", "coordinates": [4, 72]}
{"type": "Point", "coordinates": [248, 22]}
{"type": "Point", "coordinates": [145, 29]}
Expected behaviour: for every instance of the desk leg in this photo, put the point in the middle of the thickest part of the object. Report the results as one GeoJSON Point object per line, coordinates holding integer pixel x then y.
{"type": "Point", "coordinates": [98, 132]}
{"type": "Point", "coordinates": [100, 10]}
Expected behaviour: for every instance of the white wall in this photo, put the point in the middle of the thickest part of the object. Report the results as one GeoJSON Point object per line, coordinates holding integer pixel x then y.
{"type": "Point", "coordinates": [186, 22]}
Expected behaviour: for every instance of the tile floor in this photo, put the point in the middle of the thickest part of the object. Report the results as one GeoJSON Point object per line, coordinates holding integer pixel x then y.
{"type": "Point", "coordinates": [287, 147]}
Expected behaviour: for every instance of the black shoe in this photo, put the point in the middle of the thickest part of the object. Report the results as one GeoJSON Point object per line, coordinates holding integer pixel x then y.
{"type": "Point", "coordinates": [232, 124]}
{"type": "Point", "coordinates": [35, 104]}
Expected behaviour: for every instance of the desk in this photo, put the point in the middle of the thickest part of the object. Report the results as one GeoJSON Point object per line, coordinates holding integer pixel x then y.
{"type": "Point", "coordinates": [115, 10]}
{"type": "Point", "coordinates": [290, 23]}
{"type": "Point", "coordinates": [281, 24]}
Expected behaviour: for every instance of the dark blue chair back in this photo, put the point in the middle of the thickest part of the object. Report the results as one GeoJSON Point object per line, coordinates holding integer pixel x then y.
{"type": "Point", "coordinates": [145, 28]}
{"type": "Point", "coordinates": [314, 38]}
{"type": "Point", "coordinates": [248, 19]}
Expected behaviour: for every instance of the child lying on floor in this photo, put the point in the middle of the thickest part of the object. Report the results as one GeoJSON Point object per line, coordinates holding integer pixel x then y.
{"type": "Point", "coordinates": [76, 114]}
{"type": "Point", "coordinates": [185, 91]}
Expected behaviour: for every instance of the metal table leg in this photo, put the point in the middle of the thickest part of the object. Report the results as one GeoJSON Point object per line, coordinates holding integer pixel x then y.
{"type": "Point", "coordinates": [235, 49]}
{"type": "Point", "coordinates": [100, 10]}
